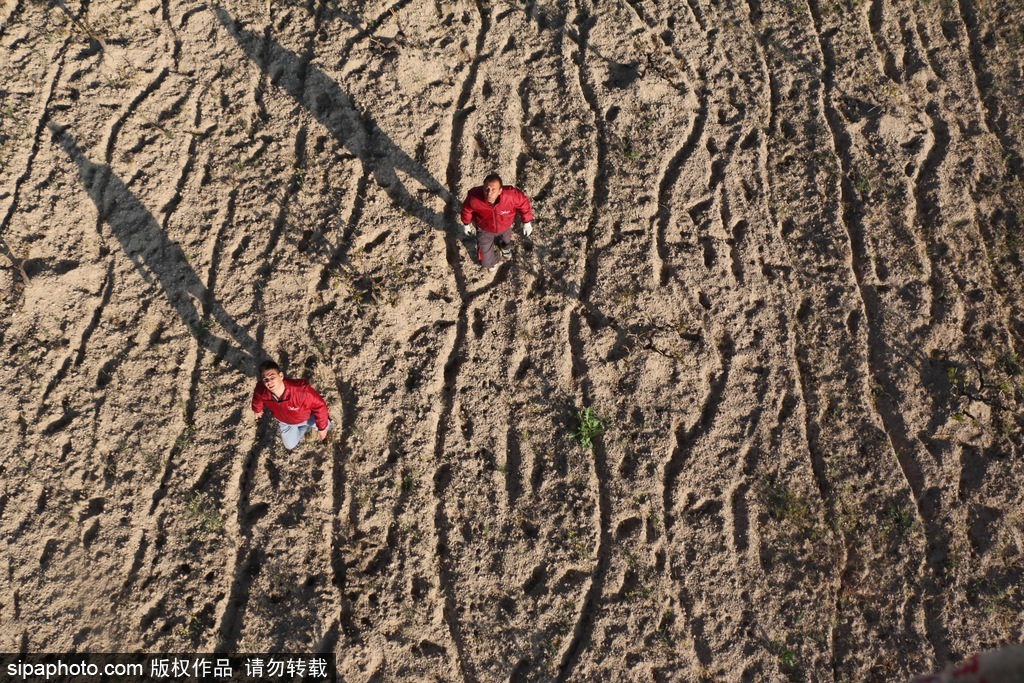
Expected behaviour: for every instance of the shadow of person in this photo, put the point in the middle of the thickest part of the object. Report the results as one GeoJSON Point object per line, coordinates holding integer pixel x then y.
{"type": "Point", "coordinates": [155, 256]}
{"type": "Point", "coordinates": [354, 130]}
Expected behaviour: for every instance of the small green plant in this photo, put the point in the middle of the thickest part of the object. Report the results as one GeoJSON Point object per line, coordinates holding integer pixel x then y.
{"type": "Point", "coordinates": [903, 520]}
{"type": "Point", "coordinates": [1012, 365]}
{"type": "Point", "coordinates": [203, 510]}
{"type": "Point", "coordinates": [185, 438]}
{"type": "Point", "coordinates": [628, 150]}
{"type": "Point", "coordinates": [863, 181]}
{"type": "Point", "coordinates": [668, 619]}
{"type": "Point", "coordinates": [588, 426]}
{"type": "Point", "coordinates": [191, 629]}
{"type": "Point", "coordinates": [202, 328]}
{"type": "Point", "coordinates": [785, 504]}
{"type": "Point", "coordinates": [632, 561]}
{"type": "Point", "coordinates": [407, 483]}
{"type": "Point", "coordinates": [577, 543]}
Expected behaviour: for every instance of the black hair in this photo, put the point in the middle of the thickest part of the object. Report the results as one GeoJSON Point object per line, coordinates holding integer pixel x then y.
{"type": "Point", "coordinates": [268, 365]}
{"type": "Point", "coordinates": [491, 178]}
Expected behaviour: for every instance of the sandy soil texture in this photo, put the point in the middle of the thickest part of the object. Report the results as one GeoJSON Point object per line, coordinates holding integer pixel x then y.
{"type": "Point", "coordinates": [777, 251]}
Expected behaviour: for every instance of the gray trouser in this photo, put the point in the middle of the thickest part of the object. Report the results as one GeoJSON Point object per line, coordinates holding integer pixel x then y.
{"type": "Point", "coordinates": [485, 246]}
{"type": "Point", "coordinates": [292, 434]}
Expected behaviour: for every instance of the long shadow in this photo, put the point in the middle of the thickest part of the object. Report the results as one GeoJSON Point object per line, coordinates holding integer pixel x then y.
{"type": "Point", "coordinates": [155, 256]}
{"type": "Point", "coordinates": [355, 130]}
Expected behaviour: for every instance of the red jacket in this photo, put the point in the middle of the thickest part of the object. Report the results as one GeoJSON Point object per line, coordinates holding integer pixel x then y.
{"type": "Point", "coordinates": [298, 402]}
{"type": "Point", "coordinates": [500, 216]}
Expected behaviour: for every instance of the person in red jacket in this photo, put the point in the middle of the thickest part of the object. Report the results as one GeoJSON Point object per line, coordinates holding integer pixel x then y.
{"type": "Point", "coordinates": [492, 207]}
{"type": "Point", "coordinates": [294, 404]}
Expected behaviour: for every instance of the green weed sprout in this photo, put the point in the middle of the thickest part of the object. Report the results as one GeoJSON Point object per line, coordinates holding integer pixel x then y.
{"type": "Point", "coordinates": [588, 427]}
{"type": "Point", "coordinates": [203, 510]}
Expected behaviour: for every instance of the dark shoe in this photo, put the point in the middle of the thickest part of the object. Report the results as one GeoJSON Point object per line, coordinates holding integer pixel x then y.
{"type": "Point", "coordinates": [506, 252]}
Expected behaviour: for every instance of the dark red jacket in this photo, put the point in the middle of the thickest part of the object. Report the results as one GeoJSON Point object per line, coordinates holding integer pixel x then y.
{"type": "Point", "coordinates": [500, 216]}
{"type": "Point", "coordinates": [298, 402]}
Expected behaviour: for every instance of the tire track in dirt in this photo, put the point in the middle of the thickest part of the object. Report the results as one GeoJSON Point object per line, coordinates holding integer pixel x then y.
{"type": "Point", "coordinates": [100, 182]}
{"type": "Point", "coordinates": [103, 377]}
{"type": "Point", "coordinates": [734, 515]}
{"type": "Point", "coordinates": [262, 59]}
{"type": "Point", "coordinates": [342, 504]}
{"type": "Point", "coordinates": [107, 289]}
{"type": "Point", "coordinates": [809, 431]}
{"type": "Point", "coordinates": [192, 391]}
{"type": "Point", "coordinates": [310, 49]}
{"type": "Point", "coordinates": [442, 477]}
{"type": "Point", "coordinates": [695, 82]}
{"type": "Point", "coordinates": [339, 254]}
{"type": "Point", "coordinates": [928, 201]}
{"type": "Point", "coordinates": [909, 467]}
{"type": "Point", "coordinates": [341, 448]}
{"type": "Point", "coordinates": [75, 357]}
{"type": "Point", "coordinates": [453, 363]}
{"type": "Point", "coordinates": [684, 436]}
{"type": "Point", "coordinates": [799, 378]}
{"type": "Point", "coordinates": [926, 42]}
{"type": "Point", "coordinates": [247, 560]}
{"type": "Point", "coordinates": [513, 464]}
{"type": "Point", "coordinates": [858, 259]}
{"type": "Point", "coordinates": [171, 206]}
{"type": "Point", "coordinates": [57, 65]}
{"type": "Point", "coordinates": [735, 507]}
{"type": "Point", "coordinates": [584, 623]}
{"type": "Point", "coordinates": [698, 16]}
{"type": "Point", "coordinates": [726, 505]}
{"type": "Point", "coordinates": [812, 432]}
{"type": "Point", "coordinates": [209, 300]}
{"type": "Point", "coordinates": [245, 564]}
{"type": "Point", "coordinates": [669, 175]}
{"type": "Point", "coordinates": [129, 111]}
{"type": "Point", "coordinates": [371, 28]}
{"type": "Point", "coordinates": [341, 454]}
{"type": "Point", "coordinates": [968, 23]}
{"type": "Point", "coordinates": [206, 307]}
{"type": "Point", "coordinates": [668, 181]}
{"type": "Point", "coordinates": [925, 212]}
{"type": "Point", "coordinates": [887, 61]}
{"type": "Point", "coordinates": [524, 155]}
{"type": "Point", "coordinates": [269, 257]}
{"type": "Point", "coordinates": [12, 11]}
{"type": "Point", "coordinates": [919, 473]}
{"type": "Point", "coordinates": [796, 399]}
{"type": "Point", "coordinates": [815, 450]}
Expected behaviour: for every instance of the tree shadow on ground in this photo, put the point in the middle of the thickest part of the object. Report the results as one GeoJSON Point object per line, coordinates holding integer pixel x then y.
{"type": "Point", "coordinates": [354, 130]}
{"type": "Point", "coordinates": [158, 258]}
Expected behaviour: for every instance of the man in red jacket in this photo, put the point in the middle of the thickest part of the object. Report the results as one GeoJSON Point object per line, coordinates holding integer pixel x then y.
{"type": "Point", "coordinates": [492, 207]}
{"type": "Point", "coordinates": [294, 404]}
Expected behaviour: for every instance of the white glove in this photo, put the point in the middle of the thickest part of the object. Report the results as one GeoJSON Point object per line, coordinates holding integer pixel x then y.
{"type": "Point", "coordinates": [468, 229]}
{"type": "Point", "coordinates": [527, 229]}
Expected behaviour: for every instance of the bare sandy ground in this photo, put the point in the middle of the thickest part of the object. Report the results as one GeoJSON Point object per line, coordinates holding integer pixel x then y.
{"type": "Point", "coordinates": [777, 251]}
